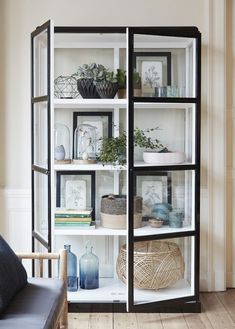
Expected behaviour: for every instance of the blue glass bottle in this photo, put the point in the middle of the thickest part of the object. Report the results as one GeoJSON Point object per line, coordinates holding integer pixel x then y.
{"type": "Point", "coordinates": [71, 269]}
{"type": "Point", "coordinates": [89, 269]}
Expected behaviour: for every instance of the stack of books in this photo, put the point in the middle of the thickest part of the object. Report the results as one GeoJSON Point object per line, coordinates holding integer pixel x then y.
{"type": "Point", "coordinates": [73, 218]}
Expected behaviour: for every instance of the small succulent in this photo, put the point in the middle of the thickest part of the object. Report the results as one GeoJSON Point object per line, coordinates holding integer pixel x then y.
{"type": "Point", "coordinates": [109, 76]}
{"type": "Point", "coordinates": [96, 72]}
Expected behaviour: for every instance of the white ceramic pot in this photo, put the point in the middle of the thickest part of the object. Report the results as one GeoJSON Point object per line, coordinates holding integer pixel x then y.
{"type": "Point", "coordinates": [152, 157]}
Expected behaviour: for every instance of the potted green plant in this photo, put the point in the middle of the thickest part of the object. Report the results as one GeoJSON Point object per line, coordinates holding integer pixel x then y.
{"type": "Point", "coordinates": [137, 83]}
{"type": "Point", "coordinates": [113, 150]}
{"type": "Point", "coordinates": [87, 77]}
{"type": "Point", "coordinates": [154, 151]}
{"type": "Point", "coordinates": [108, 86]}
{"type": "Point", "coordinates": [121, 79]}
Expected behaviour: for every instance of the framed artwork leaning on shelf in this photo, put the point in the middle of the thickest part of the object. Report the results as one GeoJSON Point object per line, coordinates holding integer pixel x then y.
{"type": "Point", "coordinates": [154, 188]}
{"type": "Point", "coordinates": [154, 69]}
{"type": "Point", "coordinates": [75, 190]}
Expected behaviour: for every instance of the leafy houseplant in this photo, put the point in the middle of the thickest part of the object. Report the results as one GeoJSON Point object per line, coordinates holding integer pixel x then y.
{"type": "Point", "coordinates": [136, 83]}
{"type": "Point", "coordinates": [121, 79]}
{"type": "Point", "coordinates": [113, 149]}
{"type": "Point", "coordinates": [87, 77]}
{"type": "Point", "coordinates": [108, 86]}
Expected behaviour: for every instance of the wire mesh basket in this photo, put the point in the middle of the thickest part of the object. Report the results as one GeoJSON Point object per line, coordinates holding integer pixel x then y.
{"type": "Point", "coordinates": [157, 264]}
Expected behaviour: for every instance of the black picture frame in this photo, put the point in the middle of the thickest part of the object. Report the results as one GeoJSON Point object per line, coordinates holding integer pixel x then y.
{"type": "Point", "coordinates": [108, 116]}
{"type": "Point", "coordinates": [88, 176]}
{"type": "Point", "coordinates": [163, 57]}
{"type": "Point", "coordinates": [164, 178]}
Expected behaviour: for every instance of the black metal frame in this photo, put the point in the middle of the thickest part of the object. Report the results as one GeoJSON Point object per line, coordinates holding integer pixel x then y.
{"type": "Point", "coordinates": [77, 173]}
{"type": "Point", "coordinates": [109, 115]}
{"type": "Point", "coordinates": [191, 301]}
{"type": "Point", "coordinates": [185, 304]}
{"type": "Point", "coordinates": [36, 168]}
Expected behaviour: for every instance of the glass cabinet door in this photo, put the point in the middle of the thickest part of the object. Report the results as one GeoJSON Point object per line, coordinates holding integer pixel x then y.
{"type": "Point", "coordinates": [41, 141]}
{"type": "Point", "coordinates": [164, 170]}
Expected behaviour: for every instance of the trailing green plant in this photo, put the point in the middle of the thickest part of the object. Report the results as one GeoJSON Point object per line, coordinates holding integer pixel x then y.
{"type": "Point", "coordinates": [113, 149]}
{"type": "Point", "coordinates": [143, 141]}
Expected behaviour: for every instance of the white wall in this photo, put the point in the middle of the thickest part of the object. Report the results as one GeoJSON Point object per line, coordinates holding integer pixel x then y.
{"type": "Point", "coordinates": [19, 17]}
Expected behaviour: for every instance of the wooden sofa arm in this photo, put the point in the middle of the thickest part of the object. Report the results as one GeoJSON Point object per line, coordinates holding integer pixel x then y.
{"type": "Point", "coordinates": [62, 321]}
{"type": "Point", "coordinates": [61, 257]}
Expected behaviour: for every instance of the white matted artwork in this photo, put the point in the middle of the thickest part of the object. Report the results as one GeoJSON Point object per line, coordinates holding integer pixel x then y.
{"type": "Point", "coordinates": [151, 76]}
{"type": "Point", "coordinates": [151, 194]}
{"type": "Point", "coordinates": [75, 194]}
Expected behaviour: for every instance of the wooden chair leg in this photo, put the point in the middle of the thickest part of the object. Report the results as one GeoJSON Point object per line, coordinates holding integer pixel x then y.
{"type": "Point", "coordinates": [64, 316]}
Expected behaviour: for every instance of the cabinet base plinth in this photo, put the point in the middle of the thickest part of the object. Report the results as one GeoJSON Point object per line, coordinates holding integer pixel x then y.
{"type": "Point", "coordinates": [187, 307]}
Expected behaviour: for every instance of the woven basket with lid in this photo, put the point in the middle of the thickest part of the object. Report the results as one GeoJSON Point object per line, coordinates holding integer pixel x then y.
{"type": "Point", "coordinates": [157, 264]}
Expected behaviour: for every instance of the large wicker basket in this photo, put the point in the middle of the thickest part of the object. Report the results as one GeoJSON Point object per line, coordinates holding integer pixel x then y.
{"type": "Point", "coordinates": [157, 264]}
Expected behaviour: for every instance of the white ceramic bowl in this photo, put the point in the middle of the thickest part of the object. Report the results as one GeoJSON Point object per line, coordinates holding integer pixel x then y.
{"type": "Point", "coordinates": [152, 157]}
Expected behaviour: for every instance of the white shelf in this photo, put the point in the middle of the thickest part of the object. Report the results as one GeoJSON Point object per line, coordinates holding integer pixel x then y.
{"type": "Point", "coordinates": [145, 230]}
{"type": "Point", "coordinates": [90, 103]}
{"type": "Point", "coordinates": [180, 289]}
{"type": "Point", "coordinates": [140, 163]}
{"type": "Point", "coordinates": [109, 290]}
{"type": "Point", "coordinates": [96, 166]}
{"type": "Point", "coordinates": [99, 230]}
{"type": "Point", "coordinates": [167, 105]}
{"type": "Point", "coordinates": [113, 290]}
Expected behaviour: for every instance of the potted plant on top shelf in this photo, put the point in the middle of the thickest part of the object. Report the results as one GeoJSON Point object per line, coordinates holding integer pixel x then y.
{"type": "Point", "coordinates": [121, 79]}
{"type": "Point", "coordinates": [108, 86]}
{"type": "Point", "coordinates": [87, 77]}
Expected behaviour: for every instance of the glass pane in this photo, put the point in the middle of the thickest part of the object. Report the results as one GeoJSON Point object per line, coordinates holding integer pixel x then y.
{"type": "Point", "coordinates": [40, 64]}
{"type": "Point", "coordinates": [164, 66]}
{"type": "Point", "coordinates": [167, 202]}
{"type": "Point", "coordinates": [163, 269]}
{"type": "Point", "coordinates": [157, 141]}
{"type": "Point", "coordinates": [41, 204]}
{"type": "Point", "coordinates": [40, 135]}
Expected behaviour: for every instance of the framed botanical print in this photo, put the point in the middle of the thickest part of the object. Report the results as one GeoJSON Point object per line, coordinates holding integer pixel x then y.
{"type": "Point", "coordinates": [76, 190]}
{"type": "Point", "coordinates": [153, 188]}
{"type": "Point", "coordinates": [154, 69]}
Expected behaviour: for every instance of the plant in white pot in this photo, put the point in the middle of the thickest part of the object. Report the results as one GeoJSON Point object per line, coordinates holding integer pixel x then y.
{"type": "Point", "coordinates": [154, 151]}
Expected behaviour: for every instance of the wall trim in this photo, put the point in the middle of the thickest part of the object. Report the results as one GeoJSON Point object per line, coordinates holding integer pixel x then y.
{"type": "Point", "coordinates": [216, 244]}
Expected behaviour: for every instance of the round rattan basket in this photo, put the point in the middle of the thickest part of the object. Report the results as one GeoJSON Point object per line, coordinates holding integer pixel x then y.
{"type": "Point", "coordinates": [157, 264]}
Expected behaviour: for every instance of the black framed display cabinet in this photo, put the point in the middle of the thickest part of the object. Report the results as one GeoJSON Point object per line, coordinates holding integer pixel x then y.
{"type": "Point", "coordinates": [116, 163]}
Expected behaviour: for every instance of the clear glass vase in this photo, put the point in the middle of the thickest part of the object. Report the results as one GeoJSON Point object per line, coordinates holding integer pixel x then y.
{"type": "Point", "coordinates": [89, 269]}
{"type": "Point", "coordinates": [62, 142]}
{"type": "Point", "coordinates": [71, 269]}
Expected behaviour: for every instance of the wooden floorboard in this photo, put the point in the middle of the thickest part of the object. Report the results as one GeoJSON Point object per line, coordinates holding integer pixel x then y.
{"type": "Point", "coordinates": [218, 312]}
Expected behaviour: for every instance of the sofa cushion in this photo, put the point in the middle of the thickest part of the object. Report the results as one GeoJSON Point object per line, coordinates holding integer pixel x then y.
{"type": "Point", "coordinates": [36, 306]}
{"type": "Point", "coordinates": [13, 276]}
